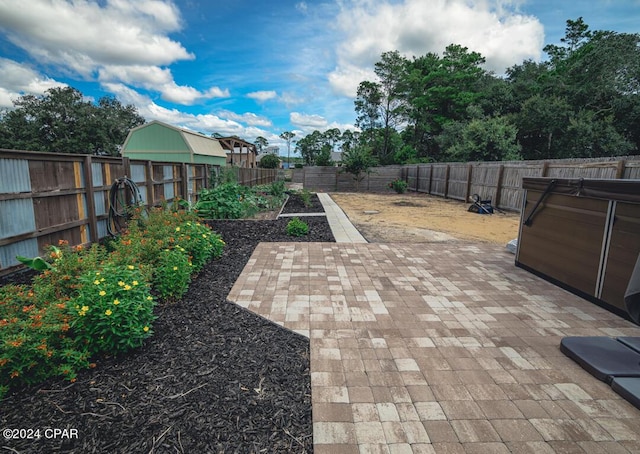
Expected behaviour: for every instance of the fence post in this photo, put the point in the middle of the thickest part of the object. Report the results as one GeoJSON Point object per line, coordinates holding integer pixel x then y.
{"type": "Point", "coordinates": [417, 178]}
{"type": "Point", "coordinates": [430, 178]}
{"type": "Point", "coordinates": [446, 181]}
{"type": "Point", "coordinates": [126, 163]}
{"type": "Point", "coordinates": [545, 167]}
{"type": "Point", "coordinates": [151, 190]}
{"type": "Point", "coordinates": [620, 168]}
{"type": "Point", "coordinates": [468, 190]}
{"type": "Point", "coordinates": [91, 207]}
{"type": "Point", "coordinates": [184, 184]}
{"type": "Point", "coordinates": [499, 186]}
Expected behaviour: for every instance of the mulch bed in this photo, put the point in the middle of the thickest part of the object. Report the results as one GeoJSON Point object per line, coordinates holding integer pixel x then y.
{"type": "Point", "coordinates": [213, 378]}
{"type": "Point", "coordinates": [295, 204]}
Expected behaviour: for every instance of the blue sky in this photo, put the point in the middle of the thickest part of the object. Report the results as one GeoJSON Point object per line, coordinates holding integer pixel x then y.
{"type": "Point", "coordinates": [258, 68]}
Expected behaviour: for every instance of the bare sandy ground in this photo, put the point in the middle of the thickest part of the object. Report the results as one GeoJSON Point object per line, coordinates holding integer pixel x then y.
{"type": "Point", "coordinates": [417, 218]}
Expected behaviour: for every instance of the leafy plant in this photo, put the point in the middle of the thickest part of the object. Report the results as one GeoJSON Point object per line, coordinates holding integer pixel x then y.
{"type": "Point", "coordinates": [113, 311]}
{"type": "Point", "coordinates": [199, 242]}
{"type": "Point", "coordinates": [398, 185]}
{"type": "Point", "coordinates": [35, 341]}
{"type": "Point", "coordinates": [305, 195]}
{"type": "Point", "coordinates": [222, 202]}
{"type": "Point", "coordinates": [278, 188]}
{"type": "Point", "coordinates": [171, 274]}
{"type": "Point", "coordinates": [296, 227]}
{"type": "Point", "coordinates": [60, 281]}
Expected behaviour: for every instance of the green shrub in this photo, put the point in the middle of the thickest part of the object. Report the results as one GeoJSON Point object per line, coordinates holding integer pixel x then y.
{"type": "Point", "coordinates": [199, 241]}
{"type": "Point", "coordinates": [398, 185]}
{"type": "Point", "coordinates": [296, 227]}
{"type": "Point", "coordinates": [305, 195]}
{"type": "Point", "coordinates": [278, 189]}
{"type": "Point", "coordinates": [95, 300]}
{"type": "Point", "coordinates": [222, 202]}
{"type": "Point", "coordinates": [171, 274]}
{"type": "Point", "coordinates": [113, 311]}
{"type": "Point", "coordinates": [60, 281]}
{"type": "Point", "coordinates": [35, 341]}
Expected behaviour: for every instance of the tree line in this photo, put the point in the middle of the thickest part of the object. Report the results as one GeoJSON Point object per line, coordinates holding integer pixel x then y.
{"type": "Point", "coordinates": [63, 121]}
{"type": "Point", "coordinates": [583, 101]}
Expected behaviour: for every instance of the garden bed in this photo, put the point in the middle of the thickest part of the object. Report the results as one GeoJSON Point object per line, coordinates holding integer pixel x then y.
{"type": "Point", "coordinates": [295, 204]}
{"type": "Point", "coordinates": [213, 378]}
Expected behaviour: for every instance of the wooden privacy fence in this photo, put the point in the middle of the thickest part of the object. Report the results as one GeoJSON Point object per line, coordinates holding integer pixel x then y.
{"type": "Point", "coordinates": [499, 181]}
{"type": "Point", "coordinates": [502, 181]}
{"type": "Point", "coordinates": [47, 197]}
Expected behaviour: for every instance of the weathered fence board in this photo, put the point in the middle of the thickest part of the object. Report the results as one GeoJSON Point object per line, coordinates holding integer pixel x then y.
{"type": "Point", "coordinates": [498, 181]}
{"type": "Point", "coordinates": [47, 197]}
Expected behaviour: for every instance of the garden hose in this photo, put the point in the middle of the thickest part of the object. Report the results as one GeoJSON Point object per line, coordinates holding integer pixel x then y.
{"type": "Point", "coordinates": [119, 206]}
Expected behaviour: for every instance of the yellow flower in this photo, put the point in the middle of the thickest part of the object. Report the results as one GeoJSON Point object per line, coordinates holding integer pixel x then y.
{"type": "Point", "coordinates": [150, 298]}
{"type": "Point", "coordinates": [108, 312]}
{"type": "Point", "coordinates": [102, 293]}
{"type": "Point", "coordinates": [177, 229]}
{"type": "Point", "coordinates": [85, 308]}
{"type": "Point", "coordinates": [121, 284]}
{"type": "Point", "coordinates": [116, 302]}
{"type": "Point", "coordinates": [135, 282]}
{"type": "Point", "coordinates": [97, 273]}
{"type": "Point", "coordinates": [175, 268]}
{"type": "Point", "coordinates": [145, 329]}
{"type": "Point", "coordinates": [101, 279]}
{"type": "Point", "coordinates": [127, 287]}
{"type": "Point", "coordinates": [96, 282]}
{"type": "Point", "coordinates": [130, 267]}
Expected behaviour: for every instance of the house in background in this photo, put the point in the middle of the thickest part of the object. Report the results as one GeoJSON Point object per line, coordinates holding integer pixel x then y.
{"type": "Point", "coordinates": [157, 141]}
{"type": "Point", "coordinates": [240, 153]}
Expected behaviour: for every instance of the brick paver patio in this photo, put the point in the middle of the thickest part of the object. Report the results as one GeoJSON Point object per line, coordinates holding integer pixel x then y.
{"type": "Point", "coordinates": [439, 348]}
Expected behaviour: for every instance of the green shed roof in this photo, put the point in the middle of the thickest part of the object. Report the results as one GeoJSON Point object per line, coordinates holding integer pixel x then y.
{"type": "Point", "coordinates": [159, 141]}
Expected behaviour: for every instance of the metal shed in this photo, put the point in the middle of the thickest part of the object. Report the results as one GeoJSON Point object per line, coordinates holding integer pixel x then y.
{"type": "Point", "coordinates": [157, 141]}
{"type": "Point", "coordinates": [582, 234]}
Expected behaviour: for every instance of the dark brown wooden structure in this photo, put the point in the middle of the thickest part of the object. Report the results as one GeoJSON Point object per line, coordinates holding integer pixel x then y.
{"type": "Point", "coordinates": [47, 197]}
{"type": "Point", "coordinates": [582, 234]}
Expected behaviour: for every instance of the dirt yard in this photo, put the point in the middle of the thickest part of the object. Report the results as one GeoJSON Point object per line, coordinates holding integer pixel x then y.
{"type": "Point", "coordinates": [420, 218]}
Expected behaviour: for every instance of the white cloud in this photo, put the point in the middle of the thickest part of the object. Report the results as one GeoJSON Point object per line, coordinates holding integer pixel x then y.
{"type": "Point", "coordinates": [262, 95]}
{"type": "Point", "coordinates": [83, 35]}
{"type": "Point", "coordinates": [416, 27]}
{"type": "Point", "coordinates": [18, 80]}
{"type": "Point", "coordinates": [205, 123]}
{"type": "Point", "coordinates": [306, 124]}
{"type": "Point", "coordinates": [304, 121]}
{"type": "Point", "coordinates": [248, 118]}
{"type": "Point", "coordinates": [160, 80]}
{"type": "Point", "coordinates": [123, 41]}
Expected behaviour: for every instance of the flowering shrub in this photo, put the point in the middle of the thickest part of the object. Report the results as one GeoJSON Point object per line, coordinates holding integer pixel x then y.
{"type": "Point", "coordinates": [172, 273]}
{"type": "Point", "coordinates": [398, 185]}
{"type": "Point", "coordinates": [34, 340]}
{"type": "Point", "coordinates": [60, 280]}
{"type": "Point", "coordinates": [199, 242]}
{"type": "Point", "coordinates": [296, 227]}
{"type": "Point", "coordinates": [98, 299]}
{"type": "Point", "coordinates": [113, 310]}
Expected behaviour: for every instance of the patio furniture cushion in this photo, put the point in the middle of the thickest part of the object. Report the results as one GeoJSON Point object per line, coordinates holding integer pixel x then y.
{"type": "Point", "coordinates": [602, 357]}
{"type": "Point", "coordinates": [628, 388]}
{"type": "Point", "coordinates": [631, 342]}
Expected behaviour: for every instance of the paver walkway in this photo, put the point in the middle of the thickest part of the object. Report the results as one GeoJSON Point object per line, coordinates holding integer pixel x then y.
{"type": "Point", "coordinates": [439, 348]}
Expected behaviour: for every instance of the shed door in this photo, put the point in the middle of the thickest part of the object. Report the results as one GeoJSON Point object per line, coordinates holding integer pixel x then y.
{"type": "Point", "coordinates": [564, 240]}
{"type": "Point", "coordinates": [624, 248]}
